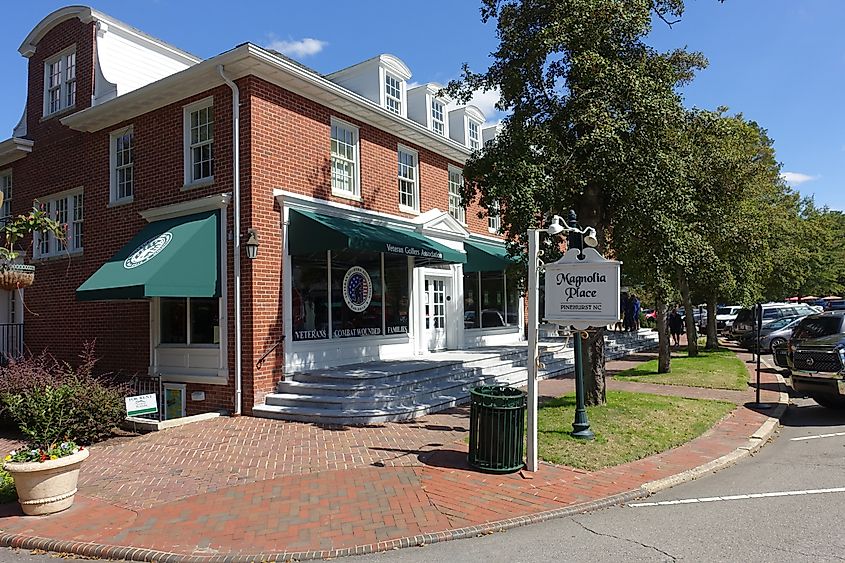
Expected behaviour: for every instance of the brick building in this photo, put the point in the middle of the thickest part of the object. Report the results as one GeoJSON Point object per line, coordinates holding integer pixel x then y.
{"type": "Point", "coordinates": [348, 182]}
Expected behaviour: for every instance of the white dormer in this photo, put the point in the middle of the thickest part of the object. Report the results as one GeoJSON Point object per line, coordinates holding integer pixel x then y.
{"type": "Point", "coordinates": [381, 79]}
{"type": "Point", "coordinates": [489, 133]}
{"type": "Point", "coordinates": [465, 126]}
{"type": "Point", "coordinates": [428, 109]}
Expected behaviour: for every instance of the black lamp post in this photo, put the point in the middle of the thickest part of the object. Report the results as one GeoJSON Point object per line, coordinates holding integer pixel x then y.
{"type": "Point", "coordinates": [581, 426]}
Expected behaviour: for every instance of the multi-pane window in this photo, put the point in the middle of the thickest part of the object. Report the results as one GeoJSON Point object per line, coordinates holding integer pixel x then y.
{"type": "Point", "coordinates": [408, 185]}
{"type": "Point", "coordinates": [456, 209]}
{"type": "Point", "coordinates": [392, 94]}
{"type": "Point", "coordinates": [438, 124]}
{"type": "Point", "coordinates": [199, 140]}
{"type": "Point", "coordinates": [189, 321]}
{"type": "Point", "coordinates": [6, 188]}
{"type": "Point", "coordinates": [344, 158]}
{"type": "Point", "coordinates": [474, 139]}
{"type": "Point", "coordinates": [494, 221]}
{"type": "Point", "coordinates": [122, 165]}
{"type": "Point", "coordinates": [60, 83]}
{"type": "Point", "coordinates": [67, 210]}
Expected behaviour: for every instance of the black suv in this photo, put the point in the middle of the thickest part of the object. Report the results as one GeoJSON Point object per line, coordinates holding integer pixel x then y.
{"type": "Point", "coordinates": [816, 358]}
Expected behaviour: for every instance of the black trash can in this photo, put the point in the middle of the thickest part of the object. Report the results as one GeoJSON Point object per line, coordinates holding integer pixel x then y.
{"type": "Point", "coordinates": [497, 428]}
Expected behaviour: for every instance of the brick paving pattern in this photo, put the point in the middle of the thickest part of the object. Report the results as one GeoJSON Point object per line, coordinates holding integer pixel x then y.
{"type": "Point", "coordinates": [248, 486]}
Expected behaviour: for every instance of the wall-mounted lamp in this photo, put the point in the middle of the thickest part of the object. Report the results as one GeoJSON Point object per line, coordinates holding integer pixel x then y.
{"type": "Point", "coordinates": [251, 244]}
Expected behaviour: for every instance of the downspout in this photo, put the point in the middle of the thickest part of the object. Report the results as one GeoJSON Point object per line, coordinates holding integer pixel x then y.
{"type": "Point", "coordinates": [236, 189]}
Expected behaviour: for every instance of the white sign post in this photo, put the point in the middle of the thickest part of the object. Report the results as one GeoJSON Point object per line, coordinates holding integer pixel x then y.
{"type": "Point", "coordinates": [141, 404]}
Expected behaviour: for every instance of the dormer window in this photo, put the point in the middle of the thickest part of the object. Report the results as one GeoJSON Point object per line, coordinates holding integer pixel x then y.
{"type": "Point", "coordinates": [393, 94]}
{"type": "Point", "coordinates": [438, 125]}
{"type": "Point", "coordinates": [473, 135]}
{"type": "Point", "coordinates": [60, 82]}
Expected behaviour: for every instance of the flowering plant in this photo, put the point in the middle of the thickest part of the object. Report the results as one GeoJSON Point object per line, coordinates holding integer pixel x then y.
{"type": "Point", "coordinates": [54, 451]}
{"type": "Point", "coordinates": [36, 221]}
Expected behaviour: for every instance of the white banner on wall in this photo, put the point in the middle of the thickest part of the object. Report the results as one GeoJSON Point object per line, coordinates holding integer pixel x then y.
{"type": "Point", "coordinates": [583, 293]}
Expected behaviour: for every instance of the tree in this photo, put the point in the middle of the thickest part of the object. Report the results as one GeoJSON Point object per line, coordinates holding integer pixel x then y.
{"type": "Point", "coordinates": [589, 102]}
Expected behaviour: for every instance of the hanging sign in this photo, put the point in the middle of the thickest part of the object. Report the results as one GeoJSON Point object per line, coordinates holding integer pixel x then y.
{"type": "Point", "coordinates": [583, 292]}
{"type": "Point", "coordinates": [141, 404]}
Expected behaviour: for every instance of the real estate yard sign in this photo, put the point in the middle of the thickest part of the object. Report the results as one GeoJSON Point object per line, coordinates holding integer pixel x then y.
{"type": "Point", "coordinates": [141, 404]}
{"type": "Point", "coordinates": [583, 292]}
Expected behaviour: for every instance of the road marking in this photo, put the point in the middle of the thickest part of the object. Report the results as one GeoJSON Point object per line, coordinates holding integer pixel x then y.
{"type": "Point", "coordinates": [818, 436]}
{"type": "Point", "coordinates": [739, 497]}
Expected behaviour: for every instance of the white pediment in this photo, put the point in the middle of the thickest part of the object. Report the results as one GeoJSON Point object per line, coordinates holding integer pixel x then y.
{"type": "Point", "coordinates": [439, 224]}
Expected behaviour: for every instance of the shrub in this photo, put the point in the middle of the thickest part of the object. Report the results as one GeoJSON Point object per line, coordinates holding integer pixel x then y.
{"type": "Point", "coordinates": [8, 493]}
{"type": "Point", "coordinates": [51, 401]}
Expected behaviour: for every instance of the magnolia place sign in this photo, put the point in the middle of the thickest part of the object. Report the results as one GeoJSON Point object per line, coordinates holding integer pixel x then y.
{"type": "Point", "coordinates": [582, 292]}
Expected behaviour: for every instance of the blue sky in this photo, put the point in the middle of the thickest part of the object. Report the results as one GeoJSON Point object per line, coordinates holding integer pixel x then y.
{"type": "Point", "coordinates": [779, 62]}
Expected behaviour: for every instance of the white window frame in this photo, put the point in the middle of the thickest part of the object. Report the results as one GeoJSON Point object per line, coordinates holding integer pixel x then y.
{"type": "Point", "coordinates": [405, 180]}
{"type": "Point", "coordinates": [114, 168]}
{"type": "Point", "coordinates": [199, 105]}
{"type": "Point", "coordinates": [355, 162]}
{"type": "Point", "coordinates": [66, 86]}
{"type": "Point", "coordinates": [494, 222]}
{"type": "Point", "coordinates": [456, 210]}
{"type": "Point", "coordinates": [438, 123]}
{"type": "Point", "coordinates": [73, 205]}
{"type": "Point", "coordinates": [473, 141]}
{"type": "Point", "coordinates": [6, 186]}
{"type": "Point", "coordinates": [393, 103]}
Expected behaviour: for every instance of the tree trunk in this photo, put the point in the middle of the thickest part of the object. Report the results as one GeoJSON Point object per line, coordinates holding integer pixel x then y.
{"type": "Point", "coordinates": [592, 355]}
{"type": "Point", "coordinates": [664, 351]}
{"type": "Point", "coordinates": [712, 336]}
{"type": "Point", "coordinates": [689, 319]}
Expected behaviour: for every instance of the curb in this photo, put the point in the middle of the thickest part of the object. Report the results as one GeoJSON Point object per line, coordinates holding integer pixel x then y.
{"type": "Point", "coordinates": [86, 549]}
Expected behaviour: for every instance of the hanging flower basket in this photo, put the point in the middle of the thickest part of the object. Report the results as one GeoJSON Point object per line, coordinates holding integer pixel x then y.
{"type": "Point", "coordinates": [14, 276]}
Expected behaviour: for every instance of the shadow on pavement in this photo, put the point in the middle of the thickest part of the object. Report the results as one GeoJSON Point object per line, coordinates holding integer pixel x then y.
{"type": "Point", "coordinates": [809, 413]}
{"type": "Point", "coordinates": [447, 459]}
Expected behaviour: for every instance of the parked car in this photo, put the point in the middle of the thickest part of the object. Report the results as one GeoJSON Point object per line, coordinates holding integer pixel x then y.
{"type": "Point", "coordinates": [725, 317]}
{"type": "Point", "coordinates": [774, 334]}
{"type": "Point", "coordinates": [816, 358]}
{"type": "Point", "coordinates": [771, 312]}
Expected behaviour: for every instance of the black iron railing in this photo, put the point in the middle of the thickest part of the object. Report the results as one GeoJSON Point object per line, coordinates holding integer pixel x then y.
{"type": "Point", "coordinates": [11, 341]}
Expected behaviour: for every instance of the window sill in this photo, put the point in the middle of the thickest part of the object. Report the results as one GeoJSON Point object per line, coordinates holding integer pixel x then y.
{"type": "Point", "coordinates": [121, 202]}
{"type": "Point", "coordinates": [59, 113]}
{"type": "Point", "coordinates": [346, 195]}
{"type": "Point", "coordinates": [409, 210]}
{"type": "Point", "coordinates": [198, 184]}
{"type": "Point", "coordinates": [54, 257]}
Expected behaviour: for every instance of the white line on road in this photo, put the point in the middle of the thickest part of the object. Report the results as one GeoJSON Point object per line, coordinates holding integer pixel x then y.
{"type": "Point", "coordinates": [739, 497]}
{"type": "Point", "coordinates": [818, 436]}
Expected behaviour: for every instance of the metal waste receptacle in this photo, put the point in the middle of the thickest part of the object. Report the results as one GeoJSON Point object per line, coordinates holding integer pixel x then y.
{"type": "Point", "coordinates": [497, 428]}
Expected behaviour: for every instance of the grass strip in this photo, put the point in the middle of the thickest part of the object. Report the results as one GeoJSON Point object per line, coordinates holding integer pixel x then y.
{"type": "Point", "coordinates": [712, 369]}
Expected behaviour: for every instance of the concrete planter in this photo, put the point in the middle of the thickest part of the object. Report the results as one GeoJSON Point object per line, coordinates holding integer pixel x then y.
{"type": "Point", "coordinates": [48, 486]}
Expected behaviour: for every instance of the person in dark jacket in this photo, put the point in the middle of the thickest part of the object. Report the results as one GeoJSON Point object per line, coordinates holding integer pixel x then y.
{"type": "Point", "coordinates": [676, 326]}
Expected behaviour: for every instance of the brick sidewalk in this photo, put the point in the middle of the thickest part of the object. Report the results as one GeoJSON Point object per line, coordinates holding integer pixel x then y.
{"type": "Point", "coordinates": [252, 487]}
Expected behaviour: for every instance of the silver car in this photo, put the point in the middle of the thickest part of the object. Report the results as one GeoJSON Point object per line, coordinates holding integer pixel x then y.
{"type": "Point", "coordinates": [772, 335]}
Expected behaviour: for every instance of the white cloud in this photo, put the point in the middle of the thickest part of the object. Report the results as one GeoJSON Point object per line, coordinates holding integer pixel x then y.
{"type": "Point", "coordinates": [486, 102]}
{"type": "Point", "coordinates": [797, 178]}
{"type": "Point", "coordinates": [299, 48]}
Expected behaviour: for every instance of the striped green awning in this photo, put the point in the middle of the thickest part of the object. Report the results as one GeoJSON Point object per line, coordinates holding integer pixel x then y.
{"type": "Point", "coordinates": [176, 257]}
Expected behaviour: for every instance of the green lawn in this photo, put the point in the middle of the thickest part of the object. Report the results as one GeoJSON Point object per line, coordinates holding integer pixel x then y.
{"type": "Point", "coordinates": [630, 426]}
{"type": "Point", "coordinates": [718, 369]}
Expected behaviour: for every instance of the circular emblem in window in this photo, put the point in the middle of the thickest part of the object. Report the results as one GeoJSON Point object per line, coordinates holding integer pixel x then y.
{"type": "Point", "coordinates": [148, 250]}
{"type": "Point", "coordinates": [357, 289]}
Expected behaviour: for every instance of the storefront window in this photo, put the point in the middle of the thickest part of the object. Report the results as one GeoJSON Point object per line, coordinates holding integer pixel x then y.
{"type": "Point", "coordinates": [174, 320]}
{"type": "Point", "coordinates": [205, 321]}
{"type": "Point", "coordinates": [492, 299]}
{"type": "Point", "coordinates": [472, 313]}
{"type": "Point", "coordinates": [396, 292]}
{"type": "Point", "coordinates": [177, 313]}
{"type": "Point", "coordinates": [356, 294]}
{"type": "Point", "coordinates": [512, 305]}
{"type": "Point", "coordinates": [309, 297]}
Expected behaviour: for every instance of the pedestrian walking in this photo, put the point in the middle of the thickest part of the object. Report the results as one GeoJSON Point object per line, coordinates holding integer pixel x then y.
{"type": "Point", "coordinates": [676, 326]}
{"type": "Point", "coordinates": [636, 307]}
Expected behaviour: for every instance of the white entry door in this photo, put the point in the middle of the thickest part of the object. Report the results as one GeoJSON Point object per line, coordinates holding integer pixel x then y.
{"type": "Point", "coordinates": [435, 312]}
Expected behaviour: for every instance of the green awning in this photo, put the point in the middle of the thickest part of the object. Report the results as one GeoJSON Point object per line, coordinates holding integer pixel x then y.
{"type": "Point", "coordinates": [170, 258]}
{"type": "Point", "coordinates": [486, 257]}
{"type": "Point", "coordinates": [313, 232]}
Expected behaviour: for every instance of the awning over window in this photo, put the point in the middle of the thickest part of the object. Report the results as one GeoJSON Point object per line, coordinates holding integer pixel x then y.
{"type": "Point", "coordinates": [170, 258]}
{"type": "Point", "coordinates": [486, 257]}
{"type": "Point", "coordinates": [313, 232]}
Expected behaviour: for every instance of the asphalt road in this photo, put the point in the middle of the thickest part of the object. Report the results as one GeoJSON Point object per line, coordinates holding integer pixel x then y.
{"type": "Point", "coordinates": [804, 464]}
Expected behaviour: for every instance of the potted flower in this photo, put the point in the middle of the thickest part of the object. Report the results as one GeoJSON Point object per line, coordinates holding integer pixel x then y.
{"type": "Point", "coordinates": [13, 274]}
{"type": "Point", "coordinates": [46, 470]}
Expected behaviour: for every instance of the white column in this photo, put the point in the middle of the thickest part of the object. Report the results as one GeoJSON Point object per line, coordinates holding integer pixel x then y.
{"type": "Point", "coordinates": [533, 294]}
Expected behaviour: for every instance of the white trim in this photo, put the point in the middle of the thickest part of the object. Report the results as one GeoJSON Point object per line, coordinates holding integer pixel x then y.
{"type": "Point", "coordinates": [69, 197]}
{"type": "Point", "coordinates": [113, 187]}
{"type": "Point", "coordinates": [452, 169]}
{"type": "Point", "coordinates": [187, 110]}
{"type": "Point", "coordinates": [416, 188]}
{"type": "Point", "coordinates": [207, 203]}
{"type": "Point", "coordinates": [14, 149]}
{"type": "Point", "coordinates": [355, 194]}
{"type": "Point", "coordinates": [60, 58]}
{"type": "Point", "coordinates": [178, 387]}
